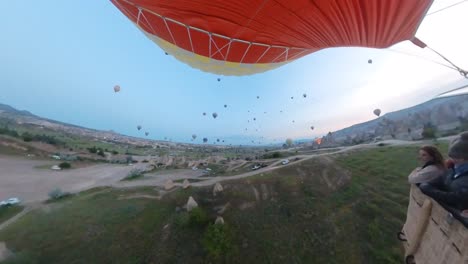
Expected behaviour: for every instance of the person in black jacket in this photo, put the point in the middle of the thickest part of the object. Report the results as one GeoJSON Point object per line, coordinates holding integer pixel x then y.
{"type": "Point", "coordinates": [452, 188]}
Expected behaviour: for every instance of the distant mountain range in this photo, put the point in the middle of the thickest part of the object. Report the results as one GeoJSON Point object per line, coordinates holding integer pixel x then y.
{"type": "Point", "coordinates": [9, 114]}
{"type": "Point", "coordinates": [445, 115]}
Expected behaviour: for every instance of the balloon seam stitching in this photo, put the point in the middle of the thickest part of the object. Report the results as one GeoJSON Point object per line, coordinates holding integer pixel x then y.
{"type": "Point", "coordinates": [208, 32]}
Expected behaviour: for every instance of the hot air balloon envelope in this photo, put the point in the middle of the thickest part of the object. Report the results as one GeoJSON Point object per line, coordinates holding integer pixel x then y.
{"type": "Point", "coordinates": [377, 112]}
{"type": "Point", "coordinates": [117, 88]}
{"type": "Point", "coordinates": [251, 36]}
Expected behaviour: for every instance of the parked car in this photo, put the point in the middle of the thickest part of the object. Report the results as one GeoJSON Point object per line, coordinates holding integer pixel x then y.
{"type": "Point", "coordinates": [284, 162]}
{"type": "Point", "coordinates": [10, 201]}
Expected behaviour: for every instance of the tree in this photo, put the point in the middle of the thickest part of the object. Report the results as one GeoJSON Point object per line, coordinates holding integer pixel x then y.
{"type": "Point", "coordinates": [27, 137]}
{"type": "Point", "coordinates": [92, 150]}
{"type": "Point", "coordinates": [64, 165]}
{"type": "Point", "coordinates": [101, 153]}
{"type": "Point", "coordinates": [429, 131]}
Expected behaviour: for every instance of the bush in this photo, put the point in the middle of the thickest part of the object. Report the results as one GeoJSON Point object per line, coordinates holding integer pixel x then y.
{"type": "Point", "coordinates": [198, 217]}
{"type": "Point", "coordinates": [428, 132]}
{"type": "Point", "coordinates": [27, 137]}
{"type": "Point", "coordinates": [101, 153]}
{"type": "Point", "coordinates": [92, 150]}
{"type": "Point", "coordinates": [217, 241]}
{"type": "Point", "coordinates": [64, 165]}
{"type": "Point", "coordinates": [114, 152]}
{"type": "Point", "coordinates": [57, 194]}
{"type": "Point", "coordinates": [133, 174]}
{"type": "Point", "coordinates": [181, 220]}
{"type": "Point", "coordinates": [145, 161]}
{"type": "Point", "coordinates": [9, 132]}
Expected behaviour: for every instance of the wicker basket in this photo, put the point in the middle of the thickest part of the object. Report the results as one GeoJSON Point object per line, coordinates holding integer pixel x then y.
{"type": "Point", "coordinates": [443, 241]}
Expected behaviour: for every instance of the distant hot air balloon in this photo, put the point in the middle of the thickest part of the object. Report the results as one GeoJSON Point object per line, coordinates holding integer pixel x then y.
{"type": "Point", "coordinates": [139, 127]}
{"type": "Point", "coordinates": [204, 113]}
{"type": "Point", "coordinates": [146, 133]}
{"type": "Point", "coordinates": [194, 136]}
{"type": "Point", "coordinates": [264, 35]}
{"type": "Point", "coordinates": [377, 112]}
{"type": "Point", "coordinates": [318, 141]}
{"type": "Point", "coordinates": [219, 79]}
{"type": "Point", "coordinates": [312, 127]}
{"type": "Point", "coordinates": [292, 97]}
{"type": "Point", "coordinates": [369, 61]}
{"type": "Point", "coordinates": [215, 115]}
{"type": "Point", "coordinates": [304, 95]}
{"type": "Point", "coordinates": [166, 53]}
{"type": "Point", "coordinates": [217, 140]}
{"type": "Point", "coordinates": [225, 106]}
{"type": "Point", "coordinates": [205, 140]}
{"type": "Point", "coordinates": [258, 97]}
{"type": "Point", "coordinates": [117, 88]}
{"type": "Point", "coordinates": [255, 119]}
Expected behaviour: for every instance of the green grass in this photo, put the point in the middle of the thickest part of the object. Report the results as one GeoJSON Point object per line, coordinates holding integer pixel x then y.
{"type": "Point", "coordinates": [342, 210]}
{"type": "Point", "coordinates": [7, 212]}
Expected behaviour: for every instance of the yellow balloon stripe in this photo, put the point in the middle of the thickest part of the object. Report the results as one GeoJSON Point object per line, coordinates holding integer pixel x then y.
{"type": "Point", "coordinates": [212, 65]}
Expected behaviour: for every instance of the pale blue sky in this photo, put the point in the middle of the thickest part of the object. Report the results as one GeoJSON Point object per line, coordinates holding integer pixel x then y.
{"type": "Point", "coordinates": [61, 58]}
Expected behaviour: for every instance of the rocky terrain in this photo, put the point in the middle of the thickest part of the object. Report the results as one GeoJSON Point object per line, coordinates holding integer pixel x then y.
{"type": "Point", "coordinates": [438, 117]}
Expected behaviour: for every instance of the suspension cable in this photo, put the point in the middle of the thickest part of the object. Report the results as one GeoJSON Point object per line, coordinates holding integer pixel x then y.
{"type": "Point", "coordinates": [447, 7]}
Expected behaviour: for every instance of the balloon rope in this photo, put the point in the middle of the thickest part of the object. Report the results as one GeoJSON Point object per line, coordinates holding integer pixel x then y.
{"type": "Point", "coordinates": [422, 57]}
{"type": "Point", "coordinates": [447, 7]}
{"type": "Point", "coordinates": [464, 73]}
{"type": "Point", "coordinates": [453, 90]}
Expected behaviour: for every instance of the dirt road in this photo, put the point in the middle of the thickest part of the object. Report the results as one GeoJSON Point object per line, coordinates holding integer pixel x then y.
{"type": "Point", "coordinates": [20, 178]}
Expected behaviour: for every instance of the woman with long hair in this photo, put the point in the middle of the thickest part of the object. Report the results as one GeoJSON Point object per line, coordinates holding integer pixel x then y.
{"type": "Point", "coordinates": [433, 166]}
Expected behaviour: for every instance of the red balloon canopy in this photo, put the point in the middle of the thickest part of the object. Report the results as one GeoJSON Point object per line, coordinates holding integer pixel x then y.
{"type": "Point", "coordinates": [249, 36]}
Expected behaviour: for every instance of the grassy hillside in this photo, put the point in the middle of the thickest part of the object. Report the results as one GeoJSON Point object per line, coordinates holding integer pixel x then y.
{"type": "Point", "coordinates": [341, 209]}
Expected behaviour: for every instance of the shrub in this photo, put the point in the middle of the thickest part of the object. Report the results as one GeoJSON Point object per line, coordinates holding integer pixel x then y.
{"type": "Point", "coordinates": [198, 217]}
{"type": "Point", "coordinates": [114, 152]}
{"type": "Point", "coordinates": [57, 194]}
{"type": "Point", "coordinates": [133, 174]}
{"type": "Point", "coordinates": [217, 241]}
{"type": "Point", "coordinates": [428, 132]}
{"type": "Point", "coordinates": [65, 165]}
{"type": "Point", "coordinates": [92, 150]}
{"type": "Point", "coordinates": [101, 153]}
{"type": "Point", "coordinates": [27, 137]}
